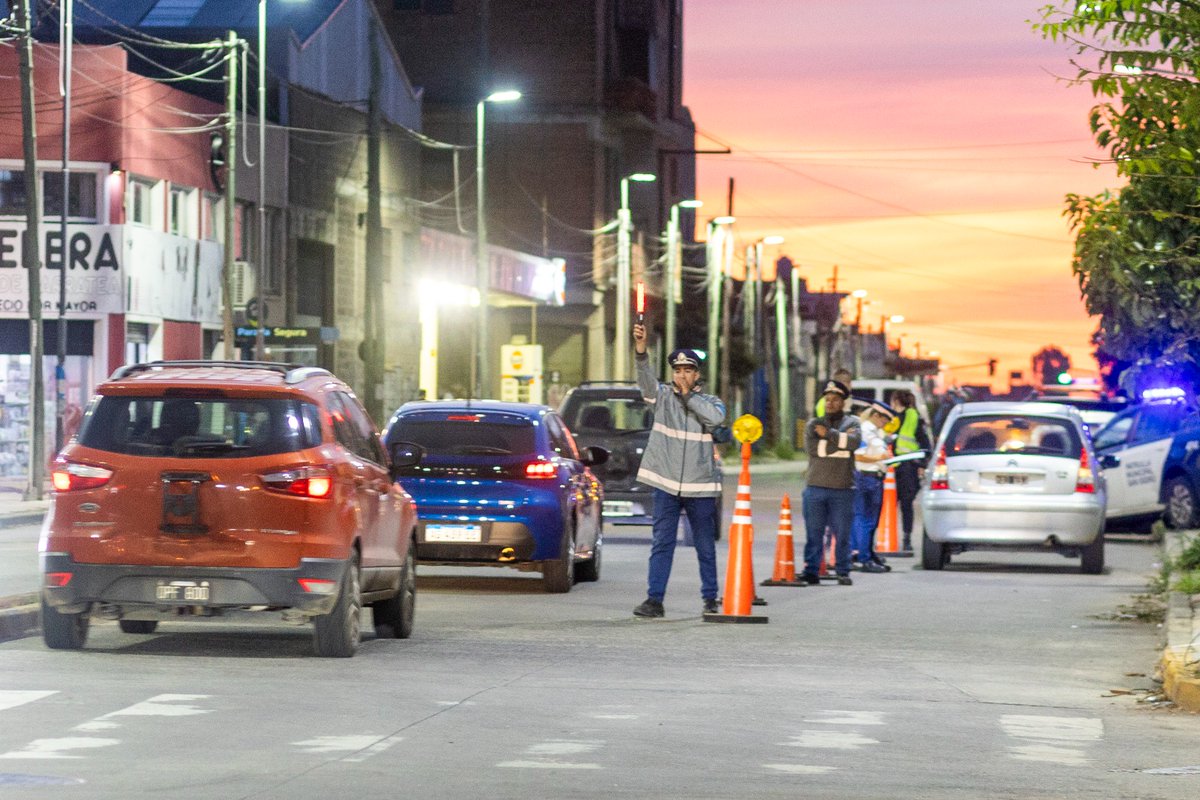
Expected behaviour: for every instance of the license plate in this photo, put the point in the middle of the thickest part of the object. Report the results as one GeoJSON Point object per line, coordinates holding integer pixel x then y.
{"type": "Point", "coordinates": [1012, 480]}
{"type": "Point", "coordinates": [618, 508]}
{"type": "Point", "coordinates": [184, 591]}
{"type": "Point", "coordinates": [453, 533]}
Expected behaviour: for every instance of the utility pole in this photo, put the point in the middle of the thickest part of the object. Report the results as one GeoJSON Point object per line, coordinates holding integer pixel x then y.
{"type": "Point", "coordinates": [260, 272]}
{"type": "Point", "coordinates": [65, 37]}
{"type": "Point", "coordinates": [713, 269]}
{"type": "Point", "coordinates": [30, 261]}
{"type": "Point", "coordinates": [784, 373]}
{"type": "Point", "coordinates": [230, 193]}
{"type": "Point", "coordinates": [372, 351]}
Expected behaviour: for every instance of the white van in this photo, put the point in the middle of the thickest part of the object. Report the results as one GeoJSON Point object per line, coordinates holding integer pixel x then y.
{"type": "Point", "coordinates": [881, 389]}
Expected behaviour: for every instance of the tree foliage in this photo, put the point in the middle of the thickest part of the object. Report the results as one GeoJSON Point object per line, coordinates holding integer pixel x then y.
{"type": "Point", "coordinates": [1049, 362]}
{"type": "Point", "coordinates": [1137, 250]}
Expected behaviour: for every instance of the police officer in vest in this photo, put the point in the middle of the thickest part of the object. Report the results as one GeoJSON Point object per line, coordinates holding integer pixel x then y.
{"type": "Point", "coordinates": [679, 465]}
{"type": "Point", "coordinates": [911, 436]}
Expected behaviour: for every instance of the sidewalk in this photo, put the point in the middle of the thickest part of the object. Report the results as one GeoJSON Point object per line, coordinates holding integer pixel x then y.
{"type": "Point", "coordinates": [1180, 661]}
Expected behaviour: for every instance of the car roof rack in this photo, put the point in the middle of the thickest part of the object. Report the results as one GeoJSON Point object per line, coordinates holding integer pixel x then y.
{"type": "Point", "coordinates": [292, 373]}
{"type": "Point", "coordinates": [607, 383]}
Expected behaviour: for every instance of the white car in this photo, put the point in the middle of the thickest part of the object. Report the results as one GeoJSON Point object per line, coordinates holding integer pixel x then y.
{"type": "Point", "coordinates": [1019, 476]}
{"type": "Point", "coordinates": [880, 389]}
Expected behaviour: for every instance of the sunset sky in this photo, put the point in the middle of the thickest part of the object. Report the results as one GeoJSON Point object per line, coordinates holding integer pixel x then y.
{"type": "Point", "coordinates": [924, 147]}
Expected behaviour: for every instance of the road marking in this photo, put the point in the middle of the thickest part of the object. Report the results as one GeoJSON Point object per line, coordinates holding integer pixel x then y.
{"type": "Point", "coordinates": [57, 748]}
{"type": "Point", "coordinates": [849, 718]}
{"type": "Point", "coordinates": [1050, 738]}
{"type": "Point", "coordinates": [162, 705]}
{"type": "Point", "coordinates": [375, 749]}
{"type": "Point", "coordinates": [614, 716]}
{"type": "Point", "coordinates": [545, 754]}
{"type": "Point", "coordinates": [829, 740]}
{"type": "Point", "coordinates": [800, 769]}
{"type": "Point", "coordinates": [11, 698]}
{"type": "Point", "coordinates": [337, 744]}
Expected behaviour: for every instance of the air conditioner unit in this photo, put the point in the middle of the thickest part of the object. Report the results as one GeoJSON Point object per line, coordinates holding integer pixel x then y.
{"type": "Point", "coordinates": [244, 283]}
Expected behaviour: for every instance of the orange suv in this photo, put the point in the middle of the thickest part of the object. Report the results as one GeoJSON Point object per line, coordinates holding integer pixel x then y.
{"type": "Point", "coordinates": [199, 487]}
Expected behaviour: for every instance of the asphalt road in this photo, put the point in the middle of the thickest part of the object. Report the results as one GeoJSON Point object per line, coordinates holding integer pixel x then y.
{"type": "Point", "coordinates": [992, 679]}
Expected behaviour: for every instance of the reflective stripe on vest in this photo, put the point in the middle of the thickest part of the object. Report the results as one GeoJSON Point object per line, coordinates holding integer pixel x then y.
{"type": "Point", "coordinates": [906, 438]}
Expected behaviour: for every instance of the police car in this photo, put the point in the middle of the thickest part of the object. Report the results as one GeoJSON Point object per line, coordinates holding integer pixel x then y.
{"type": "Point", "coordinates": [1149, 453]}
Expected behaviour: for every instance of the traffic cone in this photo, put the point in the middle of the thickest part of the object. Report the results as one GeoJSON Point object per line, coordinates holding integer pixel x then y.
{"type": "Point", "coordinates": [785, 550]}
{"type": "Point", "coordinates": [886, 541]}
{"type": "Point", "coordinates": [739, 573]}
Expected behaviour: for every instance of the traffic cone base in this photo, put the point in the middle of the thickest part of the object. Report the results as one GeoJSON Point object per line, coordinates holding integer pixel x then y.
{"type": "Point", "coordinates": [737, 618]}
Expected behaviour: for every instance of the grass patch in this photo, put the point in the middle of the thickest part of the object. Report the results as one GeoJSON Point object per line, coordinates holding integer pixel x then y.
{"type": "Point", "coordinates": [1188, 582]}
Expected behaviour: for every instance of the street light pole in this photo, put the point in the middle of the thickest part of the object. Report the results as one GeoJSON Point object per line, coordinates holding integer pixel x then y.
{"type": "Point", "coordinates": [66, 35]}
{"type": "Point", "coordinates": [624, 268]}
{"type": "Point", "coordinates": [718, 238]}
{"type": "Point", "coordinates": [260, 273]}
{"type": "Point", "coordinates": [673, 285]}
{"type": "Point", "coordinates": [482, 278]}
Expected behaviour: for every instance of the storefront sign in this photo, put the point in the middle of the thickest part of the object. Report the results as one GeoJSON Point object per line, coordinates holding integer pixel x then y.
{"type": "Point", "coordinates": [173, 277]}
{"type": "Point", "coordinates": [451, 258]}
{"type": "Point", "coordinates": [94, 270]}
{"type": "Point", "coordinates": [245, 336]}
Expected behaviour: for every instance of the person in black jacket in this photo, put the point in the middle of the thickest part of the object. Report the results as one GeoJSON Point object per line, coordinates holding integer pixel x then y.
{"type": "Point", "coordinates": [830, 441]}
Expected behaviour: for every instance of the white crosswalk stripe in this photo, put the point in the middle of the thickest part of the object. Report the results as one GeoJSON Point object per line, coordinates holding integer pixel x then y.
{"type": "Point", "coordinates": [1054, 740]}
{"type": "Point", "coordinates": [552, 754]}
{"type": "Point", "coordinates": [11, 698]}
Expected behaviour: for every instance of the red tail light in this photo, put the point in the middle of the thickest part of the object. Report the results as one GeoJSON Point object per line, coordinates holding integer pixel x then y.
{"type": "Point", "coordinates": [1085, 482]}
{"type": "Point", "coordinates": [939, 479]}
{"type": "Point", "coordinates": [301, 482]}
{"type": "Point", "coordinates": [57, 579]}
{"type": "Point", "coordinates": [541, 469]}
{"type": "Point", "coordinates": [68, 476]}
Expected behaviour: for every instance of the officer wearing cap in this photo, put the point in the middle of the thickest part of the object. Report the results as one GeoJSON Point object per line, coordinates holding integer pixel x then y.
{"type": "Point", "coordinates": [868, 486]}
{"type": "Point", "coordinates": [679, 466]}
{"type": "Point", "coordinates": [830, 441]}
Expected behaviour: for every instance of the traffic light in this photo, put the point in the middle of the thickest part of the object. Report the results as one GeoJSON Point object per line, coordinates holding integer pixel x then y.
{"type": "Point", "coordinates": [991, 367]}
{"type": "Point", "coordinates": [1064, 379]}
{"type": "Point", "coordinates": [216, 159]}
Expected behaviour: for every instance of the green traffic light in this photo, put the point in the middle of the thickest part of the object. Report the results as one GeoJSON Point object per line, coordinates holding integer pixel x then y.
{"type": "Point", "coordinates": [1064, 378]}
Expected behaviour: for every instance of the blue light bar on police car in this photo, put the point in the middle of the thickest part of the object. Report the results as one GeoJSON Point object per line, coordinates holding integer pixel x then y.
{"type": "Point", "coordinates": [1166, 393]}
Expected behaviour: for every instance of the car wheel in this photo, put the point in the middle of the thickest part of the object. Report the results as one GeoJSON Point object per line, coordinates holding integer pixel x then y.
{"type": "Point", "coordinates": [336, 634]}
{"type": "Point", "coordinates": [1092, 556]}
{"type": "Point", "coordinates": [394, 617]}
{"type": "Point", "coordinates": [559, 575]}
{"type": "Point", "coordinates": [933, 555]}
{"type": "Point", "coordinates": [1182, 504]}
{"type": "Point", "coordinates": [138, 625]}
{"type": "Point", "coordinates": [63, 631]}
{"type": "Point", "coordinates": [589, 571]}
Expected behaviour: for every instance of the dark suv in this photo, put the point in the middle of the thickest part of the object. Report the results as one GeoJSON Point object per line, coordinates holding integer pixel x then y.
{"type": "Point", "coordinates": [615, 416]}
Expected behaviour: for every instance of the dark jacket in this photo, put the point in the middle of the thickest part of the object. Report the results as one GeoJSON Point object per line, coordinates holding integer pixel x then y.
{"type": "Point", "coordinates": [831, 458]}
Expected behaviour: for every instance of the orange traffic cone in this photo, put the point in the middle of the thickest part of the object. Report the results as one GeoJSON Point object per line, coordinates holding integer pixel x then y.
{"type": "Point", "coordinates": [886, 540]}
{"type": "Point", "coordinates": [739, 573]}
{"type": "Point", "coordinates": [785, 550]}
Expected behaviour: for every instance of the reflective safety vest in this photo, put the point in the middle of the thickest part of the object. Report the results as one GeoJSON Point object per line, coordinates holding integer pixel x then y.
{"type": "Point", "coordinates": [906, 438]}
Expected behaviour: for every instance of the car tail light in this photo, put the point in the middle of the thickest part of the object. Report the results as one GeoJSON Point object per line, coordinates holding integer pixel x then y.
{"type": "Point", "coordinates": [939, 479]}
{"type": "Point", "coordinates": [57, 580]}
{"type": "Point", "coordinates": [1085, 482]}
{"type": "Point", "coordinates": [541, 469]}
{"type": "Point", "coordinates": [302, 482]}
{"type": "Point", "coordinates": [67, 476]}
{"type": "Point", "coordinates": [317, 586]}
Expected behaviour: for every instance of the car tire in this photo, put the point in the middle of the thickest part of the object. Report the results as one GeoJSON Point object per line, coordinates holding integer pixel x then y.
{"type": "Point", "coordinates": [336, 634]}
{"type": "Point", "coordinates": [395, 616]}
{"type": "Point", "coordinates": [1091, 557]}
{"type": "Point", "coordinates": [1182, 504]}
{"type": "Point", "coordinates": [63, 631]}
{"type": "Point", "coordinates": [138, 625]}
{"type": "Point", "coordinates": [589, 571]}
{"type": "Point", "coordinates": [933, 554]}
{"type": "Point", "coordinates": [559, 575]}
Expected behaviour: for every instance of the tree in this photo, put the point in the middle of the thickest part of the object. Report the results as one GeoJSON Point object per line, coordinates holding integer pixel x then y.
{"type": "Point", "coordinates": [1050, 362]}
{"type": "Point", "coordinates": [1137, 250]}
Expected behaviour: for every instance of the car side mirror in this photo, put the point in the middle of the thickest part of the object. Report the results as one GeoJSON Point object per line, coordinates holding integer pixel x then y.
{"type": "Point", "coordinates": [404, 455]}
{"type": "Point", "coordinates": [1108, 461]}
{"type": "Point", "coordinates": [594, 456]}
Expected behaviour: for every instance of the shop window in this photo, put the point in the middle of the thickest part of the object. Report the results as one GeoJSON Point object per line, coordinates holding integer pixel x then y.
{"type": "Point", "coordinates": [178, 220]}
{"type": "Point", "coordinates": [12, 192]}
{"type": "Point", "coordinates": [81, 203]}
{"type": "Point", "coordinates": [137, 342]}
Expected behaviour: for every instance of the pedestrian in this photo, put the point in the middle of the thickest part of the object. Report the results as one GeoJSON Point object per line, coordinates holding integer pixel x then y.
{"type": "Point", "coordinates": [868, 487]}
{"type": "Point", "coordinates": [680, 467]}
{"type": "Point", "coordinates": [830, 441]}
{"type": "Point", "coordinates": [911, 437]}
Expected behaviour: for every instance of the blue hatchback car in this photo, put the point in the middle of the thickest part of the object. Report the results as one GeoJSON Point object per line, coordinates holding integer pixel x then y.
{"type": "Point", "coordinates": [502, 484]}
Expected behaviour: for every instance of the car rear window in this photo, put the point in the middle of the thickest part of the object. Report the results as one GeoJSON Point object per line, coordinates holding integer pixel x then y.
{"type": "Point", "coordinates": [1013, 433]}
{"type": "Point", "coordinates": [205, 427]}
{"type": "Point", "coordinates": [609, 415]}
{"type": "Point", "coordinates": [466, 434]}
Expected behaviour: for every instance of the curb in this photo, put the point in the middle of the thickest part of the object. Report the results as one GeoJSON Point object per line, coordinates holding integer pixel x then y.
{"type": "Point", "coordinates": [1180, 661]}
{"type": "Point", "coordinates": [20, 621]}
{"type": "Point", "coordinates": [18, 518]}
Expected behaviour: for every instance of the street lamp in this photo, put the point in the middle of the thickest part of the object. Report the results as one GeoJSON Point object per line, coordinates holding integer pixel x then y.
{"type": "Point", "coordinates": [482, 279]}
{"type": "Point", "coordinates": [624, 257]}
{"type": "Point", "coordinates": [260, 272]}
{"type": "Point", "coordinates": [673, 285]}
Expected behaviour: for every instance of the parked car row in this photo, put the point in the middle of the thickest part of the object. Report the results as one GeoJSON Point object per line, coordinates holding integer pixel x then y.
{"type": "Point", "coordinates": [196, 488]}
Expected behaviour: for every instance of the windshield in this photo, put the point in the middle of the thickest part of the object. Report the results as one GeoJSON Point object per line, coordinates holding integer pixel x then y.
{"type": "Point", "coordinates": [201, 427]}
{"type": "Point", "coordinates": [1013, 434]}
{"type": "Point", "coordinates": [466, 437]}
{"type": "Point", "coordinates": [609, 415]}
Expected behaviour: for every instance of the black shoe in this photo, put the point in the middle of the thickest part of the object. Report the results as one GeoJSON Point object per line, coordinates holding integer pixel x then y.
{"type": "Point", "coordinates": [710, 606]}
{"type": "Point", "coordinates": [871, 566]}
{"type": "Point", "coordinates": [907, 545]}
{"type": "Point", "coordinates": [881, 562]}
{"type": "Point", "coordinates": [650, 608]}
{"type": "Point", "coordinates": [810, 579]}
{"type": "Point", "coordinates": [844, 580]}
